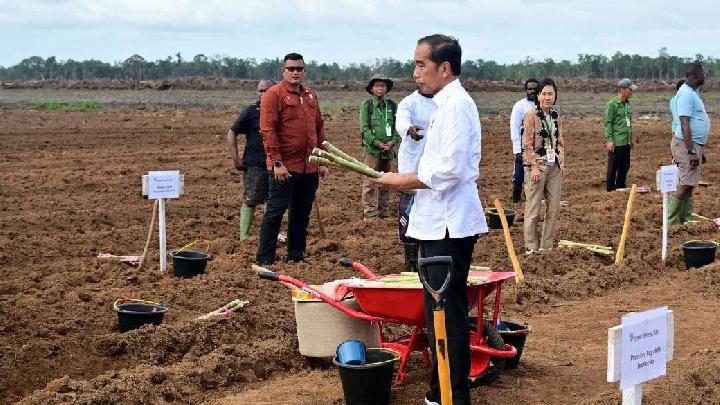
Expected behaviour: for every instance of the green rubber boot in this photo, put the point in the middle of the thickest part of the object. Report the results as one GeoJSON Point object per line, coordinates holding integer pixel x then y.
{"type": "Point", "coordinates": [686, 213]}
{"type": "Point", "coordinates": [247, 215]}
{"type": "Point", "coordinates": [674, 208]}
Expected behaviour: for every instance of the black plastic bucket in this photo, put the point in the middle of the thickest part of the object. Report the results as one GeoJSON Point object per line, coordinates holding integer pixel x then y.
{"type": "Point", "coordinates": [133, 315]}
{"type": "Point", "coordinates": [368, 383]}
{"type": "Point", "coordinates": [189, 263]}
{"type": "Point", "coordinates": [514, 334]}
{"type": "Point", "coordinates": [698, 253]}
{"type": "Point", "coordinates": [493, 218]}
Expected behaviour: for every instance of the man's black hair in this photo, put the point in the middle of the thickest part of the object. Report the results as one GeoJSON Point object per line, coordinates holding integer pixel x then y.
{"type": "Point", "coordinates": [679, 84]}
{"type": "Point", "coordinates": [694, 69]}
{"type": "Point", "coordinates": [547, 82]}
{"type": "Point", "coordinates": [444, 48]}
{"type": "Point", "coordinates": [292, 56]}
{"type": "Point", "coordinates": [530, 80]}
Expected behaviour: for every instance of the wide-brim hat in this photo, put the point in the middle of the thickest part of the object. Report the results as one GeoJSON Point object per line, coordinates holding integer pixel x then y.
{"type": "Point", "coordinates": [379, 78]}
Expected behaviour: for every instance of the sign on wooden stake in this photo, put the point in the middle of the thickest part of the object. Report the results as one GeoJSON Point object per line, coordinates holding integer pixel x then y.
{"type": "Point", "coordinates": [161, 185]}
{"type": "Point", "coordinates": [639, 349]}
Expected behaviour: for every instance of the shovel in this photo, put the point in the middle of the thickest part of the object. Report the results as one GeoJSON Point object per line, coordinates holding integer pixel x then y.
{"type": "Point", "coordinates": [441, 349]}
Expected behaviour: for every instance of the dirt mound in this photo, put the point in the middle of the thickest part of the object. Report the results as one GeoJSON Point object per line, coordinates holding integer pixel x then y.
{"type": "Point", "coordinates": [70, 190]}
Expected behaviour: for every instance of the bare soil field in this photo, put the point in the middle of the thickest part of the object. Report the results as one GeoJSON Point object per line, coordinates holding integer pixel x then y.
{"type": "Point", "coordinates": [70, 189]}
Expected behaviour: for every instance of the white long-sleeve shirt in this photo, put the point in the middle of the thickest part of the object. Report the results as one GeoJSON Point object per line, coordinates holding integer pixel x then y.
{"type": "Point", "coordinates": [414, 109]}
{"type": "Point", "coordinates": [449, 167]}
{"type": "Point", "coordinates": [516, 121]}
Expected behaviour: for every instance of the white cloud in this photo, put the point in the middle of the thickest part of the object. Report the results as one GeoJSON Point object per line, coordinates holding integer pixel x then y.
{"type": "Point", "coordinates": [352, 30]}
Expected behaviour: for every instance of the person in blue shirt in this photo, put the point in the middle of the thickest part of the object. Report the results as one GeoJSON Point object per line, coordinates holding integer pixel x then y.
{"type": "Point", "coordinates": [673, 107]}
{"type": "Point", "coordinates": [688, 142]}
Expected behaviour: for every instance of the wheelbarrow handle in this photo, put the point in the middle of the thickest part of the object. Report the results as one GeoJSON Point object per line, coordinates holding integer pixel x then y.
{"type": "Point", "coordinates": [424, 264]}
{"type": "Point", "coordinates": [269, 275]}
{"type": "Point", "coordinates": [358, 267]}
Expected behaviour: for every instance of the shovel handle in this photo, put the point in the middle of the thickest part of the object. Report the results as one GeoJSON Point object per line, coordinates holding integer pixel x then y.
{"type": "Point", "coordinates": [424, 263]}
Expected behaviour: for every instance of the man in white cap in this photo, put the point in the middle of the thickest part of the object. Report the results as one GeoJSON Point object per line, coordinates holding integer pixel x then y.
{"type": "Point", "coordinates": [619, 135]}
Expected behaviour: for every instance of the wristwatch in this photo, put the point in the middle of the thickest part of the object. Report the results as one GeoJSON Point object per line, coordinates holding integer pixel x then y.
{"type": "Point", "coordinates": [691, 151]}
{"type": "Point", "coordinates": [277, 164]}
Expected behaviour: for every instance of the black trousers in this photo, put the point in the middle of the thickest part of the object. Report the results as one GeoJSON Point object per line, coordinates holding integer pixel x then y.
{"type": "Point", "coordinates": [297, 196]}
{"type": "Point", "coordinates": [456, 314]}
{"type": "Point", "coordinates": [617, 168]}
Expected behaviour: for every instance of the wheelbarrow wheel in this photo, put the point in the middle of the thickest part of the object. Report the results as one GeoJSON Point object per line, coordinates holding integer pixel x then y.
{"type": "Point", "coordinates": [495, 341]}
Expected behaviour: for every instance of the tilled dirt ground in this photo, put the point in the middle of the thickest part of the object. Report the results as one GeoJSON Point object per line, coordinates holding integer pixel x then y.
{"type": "Point", "coordinates": [70, 189]}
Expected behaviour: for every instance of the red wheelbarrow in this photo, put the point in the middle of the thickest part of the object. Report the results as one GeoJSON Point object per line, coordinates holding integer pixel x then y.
{"type": "Point", "coordinates": [404, 305]}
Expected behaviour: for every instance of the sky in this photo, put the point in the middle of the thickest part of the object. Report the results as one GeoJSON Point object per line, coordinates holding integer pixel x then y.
{"type": "Point", "coordinates": [352, 31]}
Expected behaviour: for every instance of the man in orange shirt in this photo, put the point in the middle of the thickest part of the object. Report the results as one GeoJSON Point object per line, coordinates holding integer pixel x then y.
{"type": "Point", "coordinates": [291, 126]}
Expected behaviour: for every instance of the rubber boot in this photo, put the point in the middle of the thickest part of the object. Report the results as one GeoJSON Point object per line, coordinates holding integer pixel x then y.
{"type": "Point", "coordinates": [247, 215]}
{"type": "Point", "coordinates": [674, 208]}
{"type": "Point", "coordinates": [686, 213]}
{"type": "Point", "coordinates": [517, 193]}
{"type": "Point", "coordinates": [411, 256]}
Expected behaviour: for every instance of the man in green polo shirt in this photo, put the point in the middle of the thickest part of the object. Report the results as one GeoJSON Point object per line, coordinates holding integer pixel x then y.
{"type": "Point", "coordinates": [618, 135]}
{"type": "Point", "coordinates": [379, 139]}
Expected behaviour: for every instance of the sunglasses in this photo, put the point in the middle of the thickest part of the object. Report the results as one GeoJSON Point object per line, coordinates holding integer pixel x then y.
{"type": "Point", "coordinates": [294, 68]}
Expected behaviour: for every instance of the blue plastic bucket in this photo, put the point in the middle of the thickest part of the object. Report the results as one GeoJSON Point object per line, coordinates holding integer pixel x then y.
{"type": "Point", "coordinates": [351, 352]}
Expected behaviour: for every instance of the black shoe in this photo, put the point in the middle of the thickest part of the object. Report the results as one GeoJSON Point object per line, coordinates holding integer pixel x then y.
{"type": "Point", "coordinates": [302, 260]}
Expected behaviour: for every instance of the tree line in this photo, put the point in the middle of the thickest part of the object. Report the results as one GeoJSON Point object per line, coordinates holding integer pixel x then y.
{"type": "Point", "coordinates": [662, 67]}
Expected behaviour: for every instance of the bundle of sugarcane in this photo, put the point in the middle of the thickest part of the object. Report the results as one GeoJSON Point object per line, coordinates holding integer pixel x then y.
{"type": "Point", "coordinates": [335, 157]}
{"type": "Point", "coordinates": [601, 250]}
{"type": "Point", "coordinates": [226, 310]}
{"type": "Point", "coordinates": [412, 280]}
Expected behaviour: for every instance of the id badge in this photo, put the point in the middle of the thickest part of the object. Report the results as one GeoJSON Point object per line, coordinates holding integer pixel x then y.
{"type": "Point", "coordinates": [551, 157]}
{"type": "Point", "coordinates": [627, 121]}
{"type": "Point", "coordinates": [388, 131]}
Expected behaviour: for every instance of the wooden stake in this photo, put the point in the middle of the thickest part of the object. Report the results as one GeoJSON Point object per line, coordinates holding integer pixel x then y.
{"type": "Point", "coordinates": [626, 226]}
{"type": "Point", "coordinates": [317, 216]}
{"type": "Point", "coordinates": [149, 236]}
{"type": "Point", "coordinates": [519, 276]}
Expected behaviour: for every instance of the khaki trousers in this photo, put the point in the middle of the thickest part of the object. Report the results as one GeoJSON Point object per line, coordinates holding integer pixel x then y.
{"type": "Point", "coordinates": [376, 201]}
{"type": "Point", "coordinates": [549, 187]}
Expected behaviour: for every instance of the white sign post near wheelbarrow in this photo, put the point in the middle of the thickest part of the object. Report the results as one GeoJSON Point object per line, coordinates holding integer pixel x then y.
{"type": "Point", "coordinates": [161, 185]}
{"type": "Point", "coordinates": [639, 349]}
{"type": "Point", "coordinates": [667, 182]}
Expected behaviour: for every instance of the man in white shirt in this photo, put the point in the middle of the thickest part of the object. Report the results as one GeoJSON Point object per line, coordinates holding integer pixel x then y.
{"type": "Point", "coordinates": [447, 215]}
{"type": "Point", "coordinates": [412, 119]}
{"type": "Point", "coordinates": [516, 121]}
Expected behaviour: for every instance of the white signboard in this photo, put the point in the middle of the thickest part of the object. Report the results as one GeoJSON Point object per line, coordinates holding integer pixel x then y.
{"type": "Point", "coordinates": [668, 178]}
{"type": "Point", "coordinates": [164, 184]}
{"type": "Point", "coordinates": [644, 346]}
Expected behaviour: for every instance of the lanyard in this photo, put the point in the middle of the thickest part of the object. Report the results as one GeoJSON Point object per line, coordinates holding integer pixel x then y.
{"type": "Point", "coordinates": [549, 126]}
{"type": "Point", "coordinates": [386, 112]}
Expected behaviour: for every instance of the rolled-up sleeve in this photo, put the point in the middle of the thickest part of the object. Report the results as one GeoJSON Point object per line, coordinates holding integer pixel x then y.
{"type": "Point", "coordinates": [528, 138]}
{"type": "Point", "coordinates": [319, 126]}
{"type": "Point", "coordinates": [609, 120]}
{"type": "Point", "coordinates": [269, 118]}
{"type": "Point", "coordinates": [516, 122]}
{"type": "Point", "coordinates": [446, 167]}
{"type": "Point", "coordinates": [404, 118]}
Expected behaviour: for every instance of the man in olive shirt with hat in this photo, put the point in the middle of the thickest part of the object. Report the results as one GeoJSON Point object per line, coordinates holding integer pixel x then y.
{"type": "Point", "coordinates": [618, 135]}
{"type": "Point", "coordinates": [379, 139]}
